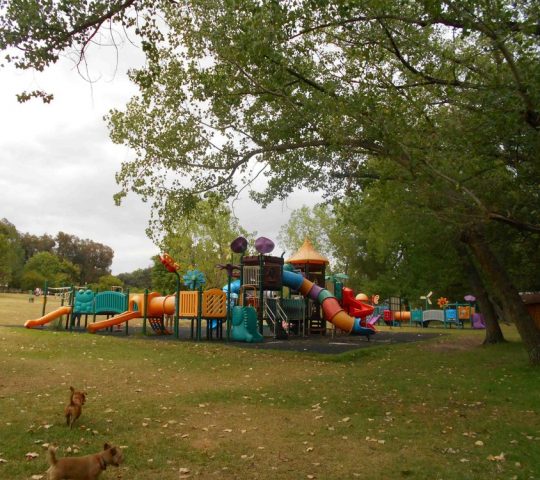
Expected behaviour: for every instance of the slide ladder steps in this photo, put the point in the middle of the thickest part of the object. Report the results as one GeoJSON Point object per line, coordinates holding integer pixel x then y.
{"type": "Point", "coordinates": [158, 326]}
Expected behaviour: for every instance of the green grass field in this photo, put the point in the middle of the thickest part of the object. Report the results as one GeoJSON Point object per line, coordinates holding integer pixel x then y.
{"type": "Point", "coordinates": [441, 409]}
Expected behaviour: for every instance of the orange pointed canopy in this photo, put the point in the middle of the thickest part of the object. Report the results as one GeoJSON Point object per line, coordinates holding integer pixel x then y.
{"type": "Point", "coordinates": [307, 255]}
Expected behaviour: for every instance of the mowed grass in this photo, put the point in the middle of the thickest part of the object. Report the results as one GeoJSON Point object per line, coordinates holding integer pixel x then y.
{"type": "Point", "coordinates": [442, 409]}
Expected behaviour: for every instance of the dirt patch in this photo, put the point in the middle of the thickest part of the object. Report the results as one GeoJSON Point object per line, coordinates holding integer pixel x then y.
{"type": "Point", "coordinates": [453, 344]}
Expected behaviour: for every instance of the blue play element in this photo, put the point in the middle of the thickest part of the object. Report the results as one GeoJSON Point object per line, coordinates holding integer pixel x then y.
{"type": "Point", "coordinates": [193, 279]}
{"type": "Point", "coordinates": [358, 329]}
{"type": "Point", "coordinates": [292, 280]}
{"type": "Point", "coordinates": [235, 287]}
{"type": "Point", "coordinates": [84, 302]}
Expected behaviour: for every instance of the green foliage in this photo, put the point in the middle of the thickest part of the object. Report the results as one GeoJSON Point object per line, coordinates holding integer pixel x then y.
{"type": "Point", "coordinates": [11, 254]}
{"type": "Point", "coordinates": [316, 224]}
{"type": "Point", "coordinates": [306, 92]}
{"type": "Point", "coordinates": [138, 280]}
{"type": "Point", "coordinates": [47, 266]}
{"type": "Point", "coordinates": [393, 250]}
{"type": "Point", "coordinates": [33, 244]}
{"type": "Point", "coordinates": [163, 281]}
{"type": "Point", "coordinates": [94, 259]}
{"type": "Point", "coordinates": [200, 240]}
{"type": "Point", "coordinates": [108, 282]}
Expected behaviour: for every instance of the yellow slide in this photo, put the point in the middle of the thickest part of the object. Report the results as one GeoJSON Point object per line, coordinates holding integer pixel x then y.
{"type": "Point", "coordinates": [48, 318]}
{"type": "Point", "coordinates": [121, 318]}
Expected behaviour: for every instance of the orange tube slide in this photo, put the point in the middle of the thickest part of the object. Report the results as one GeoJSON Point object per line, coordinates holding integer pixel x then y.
{"type": "Point", "coordinates": [48, 318]}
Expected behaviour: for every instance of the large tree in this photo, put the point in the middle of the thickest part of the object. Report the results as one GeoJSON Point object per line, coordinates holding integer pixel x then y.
{"type": "Point", "coordinates": [316, 223]}
{"type": "Point", "coordinates": [139, 279]}
{"type": "Point", "coordinates": [11, 254]}
{"type": "Point", "coordinates": [45, 266]}
{"type": "Point", "coordinates": [94, 259]}
{"type": "Point", "coordinates": [200, 240]}
{"type": "Point", "coordinates": [441, 95]}
{"type": "Point", "coordinates": [33, 244]}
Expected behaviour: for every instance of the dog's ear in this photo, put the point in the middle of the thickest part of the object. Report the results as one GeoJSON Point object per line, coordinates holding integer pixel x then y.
{"type": "Point", "coordinates": [113, 451]}
{"type": "Point", "coordinates": [72, 389]}
{"type": "Point", "coordinates": [106, 446]}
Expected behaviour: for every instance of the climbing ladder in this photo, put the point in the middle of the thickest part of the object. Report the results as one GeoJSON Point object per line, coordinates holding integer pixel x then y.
{"type": "Point", "coordinates": [158, 326]}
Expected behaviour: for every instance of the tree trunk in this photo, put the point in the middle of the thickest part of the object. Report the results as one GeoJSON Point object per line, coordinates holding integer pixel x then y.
{"type": "Point", "coordinates": [513, 307]}
{"type": "Point", "coordinates": [493, 329]}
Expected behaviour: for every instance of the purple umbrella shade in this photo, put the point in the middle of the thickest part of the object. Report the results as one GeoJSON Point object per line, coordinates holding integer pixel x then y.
{"type": "Point", "coordinates": [264, 245]}
{"type": "Point", "coordinates": [239, 245]}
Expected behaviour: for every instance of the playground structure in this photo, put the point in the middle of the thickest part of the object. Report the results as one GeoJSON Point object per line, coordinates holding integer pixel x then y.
{"type": "Point", "coordinates": [120, 308]}
{"type": "Point", "coordinates": [260, 291]}
{"type": "Point", "coordinates": [308, 305]}
{"type": "Point", "coordinates": [450, 314]}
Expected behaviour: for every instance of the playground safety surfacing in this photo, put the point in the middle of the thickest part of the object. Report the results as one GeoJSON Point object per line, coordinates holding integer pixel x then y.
{"type": "Point", "coordinates": [327, 344]}
{"type": "Point", "coordinates": [323, 344]}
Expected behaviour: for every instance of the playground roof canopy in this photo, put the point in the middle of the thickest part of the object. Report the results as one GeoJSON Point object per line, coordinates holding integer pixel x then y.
{"type": "Point", "coordinates": [307, 255]}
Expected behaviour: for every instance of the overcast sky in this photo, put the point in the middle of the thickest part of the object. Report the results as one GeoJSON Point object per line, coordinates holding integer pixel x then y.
{"type": "Point", "coordinates": [57, 163]}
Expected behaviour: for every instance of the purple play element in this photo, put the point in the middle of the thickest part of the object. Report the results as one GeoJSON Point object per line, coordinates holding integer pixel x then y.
{"type": "Point", "coordinates": [264, 245]}
{"type": "Point", "coordinates": [478, 321]}
{"type": "Point", "coordinates": [373, 319]}
{"type": "Point", "coordinates": [314, 292]}
{"type": "Point", "coordinates": [239, 245]}
{"type": "Point", "coordinates": [470, 298]}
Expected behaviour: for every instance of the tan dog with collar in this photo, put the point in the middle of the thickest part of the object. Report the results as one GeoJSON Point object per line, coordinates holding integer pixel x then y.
{"type": "Point", "coordinates": [88, 467]}
{"type": "Point", "coordinates": [74, 409]}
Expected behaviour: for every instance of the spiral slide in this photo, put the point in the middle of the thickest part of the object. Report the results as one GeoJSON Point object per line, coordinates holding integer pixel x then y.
{"type": "Point", "coordinates": [48, 318]}
{"type": "Point", "coordinates": [332, 310]}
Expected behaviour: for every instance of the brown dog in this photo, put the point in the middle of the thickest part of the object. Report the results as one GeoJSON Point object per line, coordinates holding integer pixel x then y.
{"type": "Point", "coordinates": [74, 409]}
{"type": "Point", "coordinates": [88, 467]}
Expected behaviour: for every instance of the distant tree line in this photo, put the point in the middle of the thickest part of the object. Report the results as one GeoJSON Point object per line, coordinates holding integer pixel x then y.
{"type": "Point", "coordinates": [28, 260]}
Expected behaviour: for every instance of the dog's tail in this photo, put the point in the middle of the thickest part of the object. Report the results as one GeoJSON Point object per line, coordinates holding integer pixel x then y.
{"type": "Point", "coordinates": [51, 455]}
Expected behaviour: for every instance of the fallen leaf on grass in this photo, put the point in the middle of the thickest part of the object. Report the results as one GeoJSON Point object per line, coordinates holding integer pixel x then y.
{"type": "Point", "coordinates": [31, 455]}
{"type": "Point", "coordinates": [497, 458]}
{"type": "Point", "coordinates": [36, 477]}
{"type": "Point", "coordinates": [184, 472]}
{"type": "Point", "coordinates": [3, 460]}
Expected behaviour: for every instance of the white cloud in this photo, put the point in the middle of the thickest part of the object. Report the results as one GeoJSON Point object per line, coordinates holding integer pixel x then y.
{"type": "Point", "coordinates": [57, 163]}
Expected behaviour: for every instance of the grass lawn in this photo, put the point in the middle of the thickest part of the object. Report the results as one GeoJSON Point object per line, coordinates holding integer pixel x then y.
{"type": "Point", "coordinates": [447, 408]}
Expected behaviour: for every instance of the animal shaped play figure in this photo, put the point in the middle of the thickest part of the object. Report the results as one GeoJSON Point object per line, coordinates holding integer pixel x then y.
{"type": "Point", "coordinates": [244, 325]}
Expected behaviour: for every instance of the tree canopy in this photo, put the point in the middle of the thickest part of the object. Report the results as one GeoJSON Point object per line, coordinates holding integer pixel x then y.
{"type": "Point", "coordinates": [199, 241]}
{"type": "Point", "coordinates": [45, 266]}
{"type": "Point", "coordinates": [305, 91]}
{"type": "Point", "coordinates": [92, 259]}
